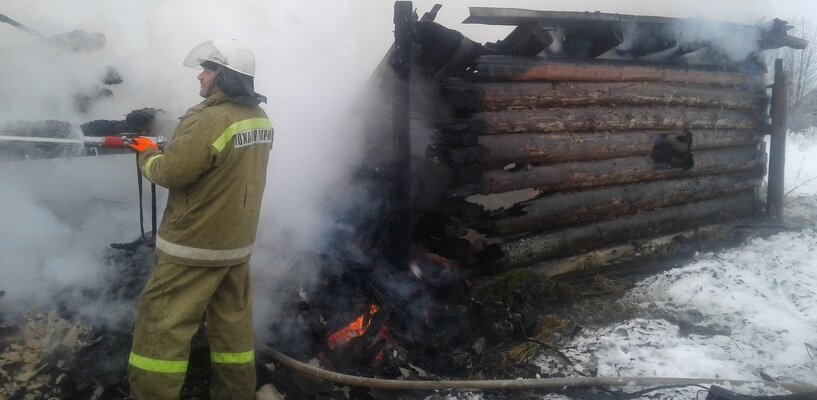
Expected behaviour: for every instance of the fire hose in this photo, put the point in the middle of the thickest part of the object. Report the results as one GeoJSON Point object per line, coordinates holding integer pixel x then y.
{"type": "Point", "coordinates": [508, 384]}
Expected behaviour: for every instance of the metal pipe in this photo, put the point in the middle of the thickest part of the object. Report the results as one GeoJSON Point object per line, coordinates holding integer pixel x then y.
{"type": "Point", "coordinates": [507, 384]}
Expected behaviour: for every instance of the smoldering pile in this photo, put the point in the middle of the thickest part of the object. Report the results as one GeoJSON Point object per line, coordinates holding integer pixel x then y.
{"type": "Point", "coordinates": [64, 352]}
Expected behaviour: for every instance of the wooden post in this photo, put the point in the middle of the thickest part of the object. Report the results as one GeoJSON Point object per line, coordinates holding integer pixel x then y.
{"type": "Point", "coordinates": [400, 243]}
{"type": "Point", "coordinates": [777, 147]}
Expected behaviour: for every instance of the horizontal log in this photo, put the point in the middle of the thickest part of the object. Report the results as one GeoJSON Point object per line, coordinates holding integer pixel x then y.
{"type": "Point", "coordinates": [568, 208]}
{"type": "Point", "coordinates": [497, 68]}
{"type": "Point", "coordinates": [558, 147]}
{"type": "Point", "coordinates": [575, 175]}
{"type": "Point", "coordinates": [612, 118]}
{"type": "Point", "coordinates": [526, 251]}
{"type": "Point", "coordinates": [492, 96]}
{"type": "Point", "coordinates": [643, 255]}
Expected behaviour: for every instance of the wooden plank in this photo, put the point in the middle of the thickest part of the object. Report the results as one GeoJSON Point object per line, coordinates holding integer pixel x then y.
{"type": "Point", "coordinates": [560, 147]}
{"type": "Point", "coordinates": [574, 240]}
{"type": "Point", "coordinates": [612, 118]}
{"type": "Point", "coordinates": [575, 175]}
{"type": "Point", "coordinates": [494, 96]}
{"type": "Point", "coordinates": [568, 208]}
{"type": "Point", "coordinates": [498, 68]}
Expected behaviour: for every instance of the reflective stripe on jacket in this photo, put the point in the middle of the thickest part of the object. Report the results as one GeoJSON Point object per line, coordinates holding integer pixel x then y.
{"type": "Point", "coordinates": [215, 167]}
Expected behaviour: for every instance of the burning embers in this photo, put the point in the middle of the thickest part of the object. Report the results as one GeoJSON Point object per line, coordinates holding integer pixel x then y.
{"type": "Point", "coordinates": [357, 328]}
{"type": "Point", "coordinates": [361, 338]}
{"type": "Point", "coordinates": [364, 316]}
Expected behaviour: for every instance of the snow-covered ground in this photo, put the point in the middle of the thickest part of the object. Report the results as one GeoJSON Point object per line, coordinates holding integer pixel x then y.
{"type": "Point", "coordinates": [757, 302]}
{"type": "Point", "coordinates": [761, 299]}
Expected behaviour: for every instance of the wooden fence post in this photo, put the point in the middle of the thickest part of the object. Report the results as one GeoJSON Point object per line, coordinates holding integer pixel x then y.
{"type": "Point", "coordinates": [777, 146]}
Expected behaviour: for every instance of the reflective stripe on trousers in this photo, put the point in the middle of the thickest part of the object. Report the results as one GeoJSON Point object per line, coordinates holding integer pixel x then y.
{"type": "Point", "coordinates": [195, 253]}
{"type": "Point", "coordinates": [157, 365]}
{"type": "Point", "coordinates": [177, 367]}
{"type": "Point", "coordinates": [233, 358]}
{"type": "Point", "coordinates": [170, 311]}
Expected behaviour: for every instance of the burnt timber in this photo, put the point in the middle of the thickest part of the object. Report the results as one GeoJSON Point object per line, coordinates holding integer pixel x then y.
{"type": "Point", "coordinates": [577, 132]}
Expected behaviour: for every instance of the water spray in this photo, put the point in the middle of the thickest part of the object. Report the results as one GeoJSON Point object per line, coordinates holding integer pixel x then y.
{"type": "Point", "coordinates": [109, 142]}
{"type": "Point", "coordinates": [105, 142]}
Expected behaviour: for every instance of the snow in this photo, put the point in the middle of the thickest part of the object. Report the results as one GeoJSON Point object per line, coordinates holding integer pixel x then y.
{"type": "Point", "coordinates": [761, 297]}
{"type": "Point", "coordinates": [756, 302]}
{"type": "Point", "coordinates": [762, 294]}
{"type": "Point", "coordinates": [801, 163]}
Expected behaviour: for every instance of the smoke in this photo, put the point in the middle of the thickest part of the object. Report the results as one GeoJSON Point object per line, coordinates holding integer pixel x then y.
{"type": "Point", "coordinates": [58, 217]}
{"type": "Point", "coordinates": [313, 58]}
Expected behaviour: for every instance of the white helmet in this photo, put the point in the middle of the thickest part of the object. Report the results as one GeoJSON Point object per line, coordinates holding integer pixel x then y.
{"type": "Point", "coordinates": [228, 53]}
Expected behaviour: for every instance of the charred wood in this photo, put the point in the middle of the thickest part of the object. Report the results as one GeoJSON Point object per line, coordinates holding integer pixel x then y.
{"type": "Point", "coordinates": [582, 42]}
{"type": "Point", "coordinates": [452, 248]}
{"type": "Point", "coordinates": [454, 138]}
{"type": "Point", "coordinates": [526, 40]}
{"type": "Point", "coordinates": [490, 96]}
{"type": "Point", "coordinates": [616, 171]}
{"type": "Point", "coordinates": [582, 206]}
{"type": "Point", "coordinates": [611, 118]}
{"type": "Point", "coordinates": [458, 208]}
{"type": "Point", "coordinates": [444, 51]}
{"type": "Point", "coordinates": [526, 251]}
{"type": "Point", "coordinates": [400, 196]}
{"type": "Point", "coordinates": [558, 147]}
{"type": "Point", "coordinates": [457, 154]}
{"type": "Point", "coordinates": [468, 172]}
{"type": "Point", "coordinates": [494, 68]}
{"type": "Point", "coordinates": [644, 254]}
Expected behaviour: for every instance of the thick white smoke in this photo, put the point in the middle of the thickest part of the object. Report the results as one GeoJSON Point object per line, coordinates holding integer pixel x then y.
{"type": "Point", "coordinates": [313, 58]}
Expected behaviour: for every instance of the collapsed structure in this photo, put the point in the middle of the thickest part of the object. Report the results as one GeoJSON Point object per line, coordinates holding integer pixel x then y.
{"type": "Point", "coordinates": [580, 140]}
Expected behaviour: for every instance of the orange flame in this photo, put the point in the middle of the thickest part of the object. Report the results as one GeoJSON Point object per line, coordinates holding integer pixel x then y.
{"type": "Point", "coordinates": [356, 329]}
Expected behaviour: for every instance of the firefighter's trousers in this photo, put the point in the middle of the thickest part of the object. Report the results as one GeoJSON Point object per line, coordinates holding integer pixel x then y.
{"type": "Point", "coordinates": [171, 307]}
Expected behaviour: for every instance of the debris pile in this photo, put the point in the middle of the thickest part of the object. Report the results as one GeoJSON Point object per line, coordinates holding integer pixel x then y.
{"type": "Point", "coordinates": [38, 355]}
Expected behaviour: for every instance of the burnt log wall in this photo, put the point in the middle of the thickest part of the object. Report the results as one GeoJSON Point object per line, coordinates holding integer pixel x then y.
{"type": "Point", "coordinates": [600, 152]}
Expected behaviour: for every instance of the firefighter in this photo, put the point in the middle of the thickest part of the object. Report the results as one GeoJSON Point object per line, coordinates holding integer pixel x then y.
{"type": "Point", "coordinates": [215, 169]}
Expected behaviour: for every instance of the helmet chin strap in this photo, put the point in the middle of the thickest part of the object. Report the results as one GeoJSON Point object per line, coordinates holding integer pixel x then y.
{"type": "Point", "coordinates": [212, 85]}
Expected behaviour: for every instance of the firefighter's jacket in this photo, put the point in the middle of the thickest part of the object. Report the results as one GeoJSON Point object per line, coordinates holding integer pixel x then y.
{"type": "Point", "coordinates": [215, 167]}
